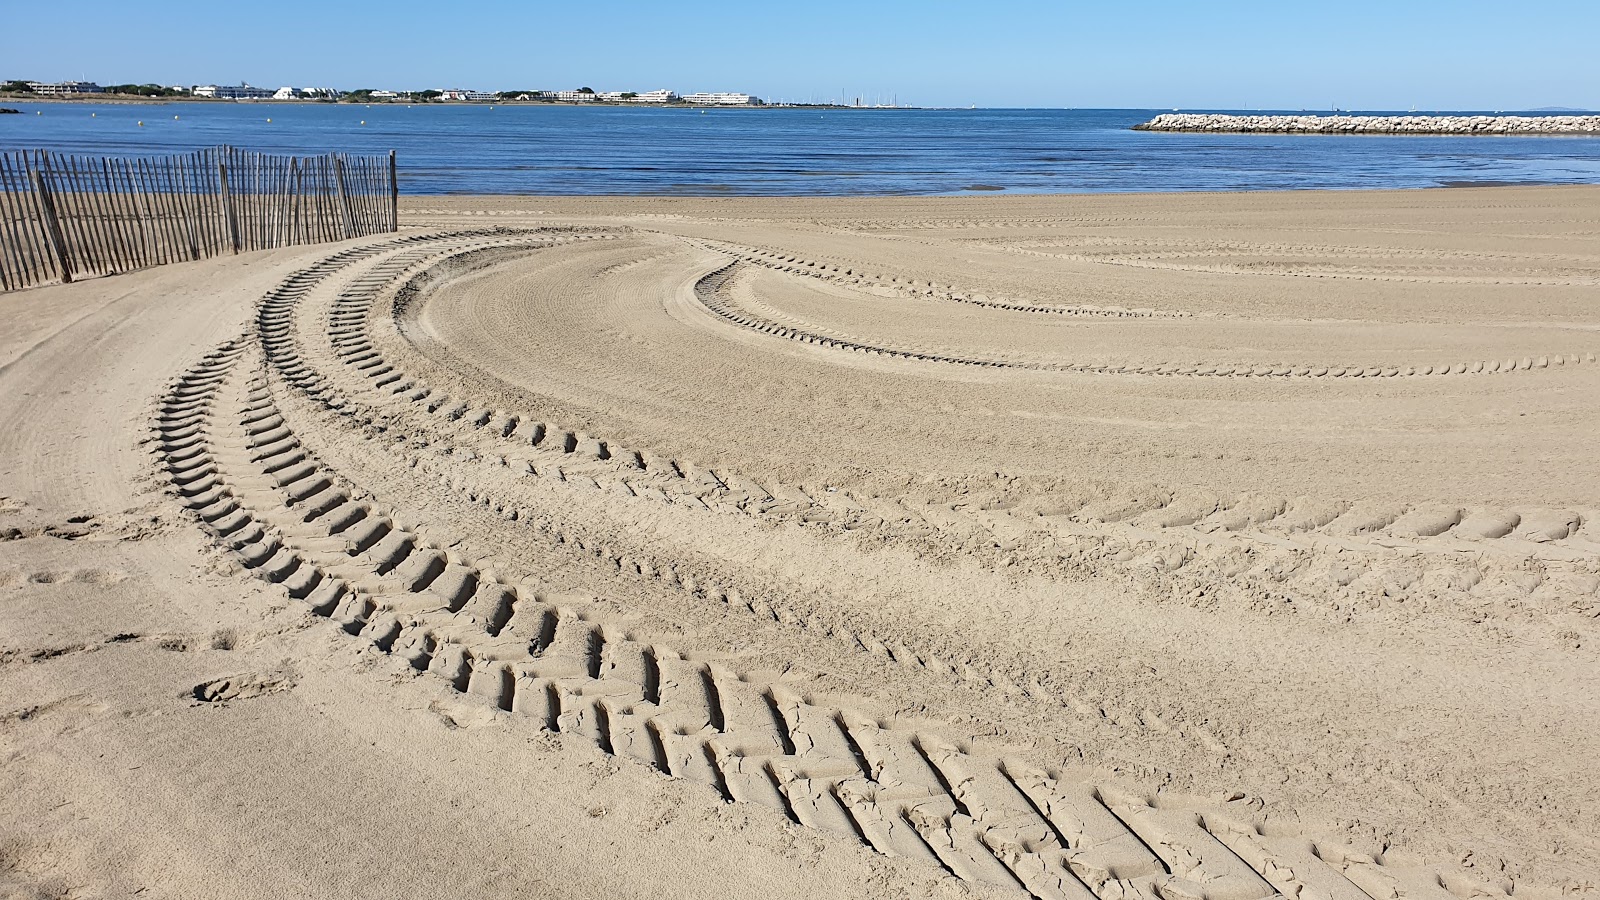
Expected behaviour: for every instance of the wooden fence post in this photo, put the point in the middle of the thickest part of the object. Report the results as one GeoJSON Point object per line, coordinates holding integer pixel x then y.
{"type": "Point", "coordinates": [52, 224]}
{"type": "Point", "coordinates": [394, 195]}
{"type": "Point", "coordinates": [294, 201]}
{"type": "Point", "coordinates": [227, 205]}
{"type": "Point", "coordinates": [344, 198]}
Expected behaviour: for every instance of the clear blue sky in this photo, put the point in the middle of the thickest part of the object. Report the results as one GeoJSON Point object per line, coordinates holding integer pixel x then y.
{"type": "Point", "coordinates": [1359, 54]}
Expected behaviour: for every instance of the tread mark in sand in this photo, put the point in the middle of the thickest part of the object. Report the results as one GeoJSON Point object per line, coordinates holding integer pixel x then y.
{"type": "Point", "coordinates": [347, 318]}
{"type": "Point", "coordinates": [712, 293]}
{"type": "Point", "coordinates": [235, 464]}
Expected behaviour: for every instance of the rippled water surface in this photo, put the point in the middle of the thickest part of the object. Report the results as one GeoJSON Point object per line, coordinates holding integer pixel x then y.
{"type": "Point", "coordinates": [572, 150]}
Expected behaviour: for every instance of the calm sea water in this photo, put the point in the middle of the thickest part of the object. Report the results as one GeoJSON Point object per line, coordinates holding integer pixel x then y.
{"type": "Point", "coordinates": [574, 150]}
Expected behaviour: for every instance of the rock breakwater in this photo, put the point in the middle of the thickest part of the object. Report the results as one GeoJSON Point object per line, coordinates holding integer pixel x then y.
{"type": "Point", "coordinates": [1587, 124]}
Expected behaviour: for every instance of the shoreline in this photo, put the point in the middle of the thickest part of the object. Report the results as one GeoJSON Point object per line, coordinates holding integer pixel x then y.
{"type": "Point", "coordinates": [600, 104]}
{"type": "Point", "coordinates": [1002, 195]}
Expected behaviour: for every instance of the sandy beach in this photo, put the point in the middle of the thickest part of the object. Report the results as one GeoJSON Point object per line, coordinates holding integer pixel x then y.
{"type": "Point", "coordinates": [1201, 546]}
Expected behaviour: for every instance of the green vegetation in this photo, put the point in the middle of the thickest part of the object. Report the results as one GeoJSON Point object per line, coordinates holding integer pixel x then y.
{"type": "Point", "coordinates": [144, 90]}
{"type": "Point", "coordinates": [16, 87]}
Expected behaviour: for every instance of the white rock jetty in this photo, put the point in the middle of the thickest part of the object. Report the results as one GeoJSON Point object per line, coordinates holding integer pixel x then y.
{"type": "Point", "coordinates": [1334, 124]}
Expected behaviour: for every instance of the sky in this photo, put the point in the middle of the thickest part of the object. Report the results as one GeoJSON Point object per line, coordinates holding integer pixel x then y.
{"type": "Point", "coordinates": [1358, 54]}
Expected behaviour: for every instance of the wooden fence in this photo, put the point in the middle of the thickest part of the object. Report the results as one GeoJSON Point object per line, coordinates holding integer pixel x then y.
{"type": "Point", "coordinates": [63, 217]}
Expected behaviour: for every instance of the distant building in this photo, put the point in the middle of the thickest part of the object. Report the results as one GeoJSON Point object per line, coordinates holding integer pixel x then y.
{"type": "Point", "coordinates": [572, 96]}
{"type": "Point", "coordinates": [313, 93]}
{"type": "Point", "coordinates": [387, 95]}
{"type": "Point", "coordinates": [233, 92]}
{"type": "Point", "coordinates": [722, 98]}
{"type": "Point", "coordinates": [630, 97]}
{"type": "Point", "coordinates": [458, 94]}
{"type": "Point", "coordinates": [64, 88]}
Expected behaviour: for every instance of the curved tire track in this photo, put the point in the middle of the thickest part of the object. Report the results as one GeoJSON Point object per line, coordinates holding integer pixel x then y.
{"type": "Point", "coordinates": [233, 461]}
{"type": "Point", "coordinates": [712, 292]}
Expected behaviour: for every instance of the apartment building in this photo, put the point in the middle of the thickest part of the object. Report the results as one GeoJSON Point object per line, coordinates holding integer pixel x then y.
{"type": "Point", "coordinates": [64, 88]}
{"type": "Point", "coordinates": [721, 98]}
{"type": "Point", "coordinates": [233, 92]}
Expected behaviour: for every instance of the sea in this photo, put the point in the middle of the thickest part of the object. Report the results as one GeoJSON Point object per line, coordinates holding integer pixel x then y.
{"type": "Point", "coordinates": [537, 149]}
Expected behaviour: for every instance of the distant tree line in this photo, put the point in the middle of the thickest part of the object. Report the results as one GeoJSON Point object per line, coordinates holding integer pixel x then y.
{"type": "Point", "coordinates": [145, 90]}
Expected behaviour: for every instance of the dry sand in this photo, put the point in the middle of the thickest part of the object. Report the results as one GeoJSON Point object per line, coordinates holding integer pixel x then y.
{"type": "Point", "coordinates": [1197, 546]}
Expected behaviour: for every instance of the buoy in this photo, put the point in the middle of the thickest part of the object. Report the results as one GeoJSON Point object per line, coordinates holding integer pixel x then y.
{"type": "Point", "coordinates": [269, 121]}
{"type": "Point", "coordinates": [141, 124]}
{"type": "Point", "coordinates": [363, 121]}
{"type": "Point", "coordinates": [174, 118]}
{"type": "Point", "coordinates": [92, 115]}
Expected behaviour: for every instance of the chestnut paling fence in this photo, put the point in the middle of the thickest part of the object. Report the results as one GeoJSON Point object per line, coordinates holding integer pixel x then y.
{"type": "Point", "coordinates": [64, 217]}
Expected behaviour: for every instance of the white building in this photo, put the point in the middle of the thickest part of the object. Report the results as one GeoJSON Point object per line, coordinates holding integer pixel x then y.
{"type": "Point", "coordinates": [316, 93]}
{"type": "Point", "coordinates": [613, 96]}
{"type": "Point", "coordinates": [286, 93]}
{"type": "Point", "coordinates": [722, 98]}
{"type": "Point", "coordinates": [233, 92]}
{"type": "Point", "coordinates": [388, 95]}
{"type": "Point", "coordinates": [63, 88]}
{"type": "Point", "coordinates": [459, 94]}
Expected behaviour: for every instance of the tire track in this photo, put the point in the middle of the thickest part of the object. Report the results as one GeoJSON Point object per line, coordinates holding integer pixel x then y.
{"type": "Point", "coordinates": [713, 292]}
{"type": "Point", "coordinates": [1151, 261]}
{"type": "Point", "coordinates": [854, 277]}
{"type": "Point", "coordinates": [1199, 536]}
{"type": "Point", "coordinates": [236, 465]}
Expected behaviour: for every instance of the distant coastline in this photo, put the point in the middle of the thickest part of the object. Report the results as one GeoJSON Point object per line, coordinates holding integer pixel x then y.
{"type": "Point", "coordinates": [134, 99]}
